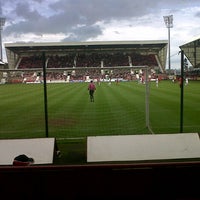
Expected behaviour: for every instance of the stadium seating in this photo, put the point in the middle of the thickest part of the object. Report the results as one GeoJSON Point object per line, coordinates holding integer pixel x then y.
{"type": "Point", "coordinates": [89, 60]}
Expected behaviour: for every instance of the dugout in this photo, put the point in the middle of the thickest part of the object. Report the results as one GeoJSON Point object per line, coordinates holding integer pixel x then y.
{"type": "Point", "coordinates": [158, 48]}
{"type": "Point", "coordinates": [165, 180]}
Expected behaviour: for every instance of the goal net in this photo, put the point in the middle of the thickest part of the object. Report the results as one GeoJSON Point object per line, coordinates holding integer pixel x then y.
{"type": "Point", "coordinates": [56, 102]}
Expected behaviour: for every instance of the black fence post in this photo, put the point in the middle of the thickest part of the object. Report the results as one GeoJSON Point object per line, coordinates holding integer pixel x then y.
{"type": "Point", "coordinates": [181, 87]}
{"type": "Point", "coordinates": [45, 95]}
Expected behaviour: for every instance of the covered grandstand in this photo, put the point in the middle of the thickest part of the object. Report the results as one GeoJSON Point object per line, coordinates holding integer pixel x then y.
{"type": "Point", "coordinates": [88, 54]}
{"type": "Point", "coordinates": [192, 52]}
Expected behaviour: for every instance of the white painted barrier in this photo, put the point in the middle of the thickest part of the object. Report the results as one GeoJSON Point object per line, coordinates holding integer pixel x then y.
{"type": "Point", "coordinates": [143, 147]}
{"type": "Point", "coordinates": [40, 149]}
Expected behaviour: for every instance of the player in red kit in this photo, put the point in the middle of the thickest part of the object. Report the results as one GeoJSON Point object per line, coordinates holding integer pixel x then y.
{"type": "Point", "coordinates": [91, 88]}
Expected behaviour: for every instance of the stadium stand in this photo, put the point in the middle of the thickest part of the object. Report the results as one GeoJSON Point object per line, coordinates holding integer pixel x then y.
{"type": "Point", "coordinates": [69, 58]}
{"type": "Point", "coordinates": [192, 52]}
{"type": "Point", "coordinates": [90, 54]}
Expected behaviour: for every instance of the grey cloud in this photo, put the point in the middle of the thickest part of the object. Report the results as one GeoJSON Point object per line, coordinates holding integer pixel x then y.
{"type": "Point", "coordinates": [23, 10]}
{"type": "Point", "coordinates": [69, 13]}
{"type": "Point", "coordinates": [83, 33]}
{"type": "Point", "coordinates": [65, 15]}
{"type": "Point", "coordinates": [197, 14]}
{"type": "Point", "coordinates": [95, 10]}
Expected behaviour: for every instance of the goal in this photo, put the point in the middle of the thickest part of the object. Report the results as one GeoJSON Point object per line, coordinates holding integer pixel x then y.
{"type": "Point", "coordinates": [56, 102]}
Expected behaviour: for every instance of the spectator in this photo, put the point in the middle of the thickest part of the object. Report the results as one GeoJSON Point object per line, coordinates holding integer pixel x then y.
{"type": "Point", "coordinates": [23, 160]}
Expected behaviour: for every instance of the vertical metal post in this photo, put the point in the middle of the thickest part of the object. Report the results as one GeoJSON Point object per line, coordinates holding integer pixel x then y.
{"type": "Point", "coordinates": [2, 23]}
{"type": "Point", "coordinates": [1, 54]}
{"type": "Point", "coordinates": [169, 53]}
{"type": "Point", "coordinates": [147, 96]}
{"type": "Point", "coordinates": [45, 95]}
{"type": "Point", "coordinates": [182, 91]}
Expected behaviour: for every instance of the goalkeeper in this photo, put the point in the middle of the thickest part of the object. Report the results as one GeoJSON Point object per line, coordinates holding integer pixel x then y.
{"type": "Point", "coordinates": [91, 88]}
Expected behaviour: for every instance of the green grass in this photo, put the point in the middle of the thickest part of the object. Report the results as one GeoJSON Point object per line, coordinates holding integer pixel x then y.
{"type": "Point", "coordinates": [117, 110]}
{"type": "Point", "coordinates": [165, 108]}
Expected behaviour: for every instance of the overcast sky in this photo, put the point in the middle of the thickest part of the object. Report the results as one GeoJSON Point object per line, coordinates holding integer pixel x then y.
{"type": "Point", "coordinates": [100, 20]}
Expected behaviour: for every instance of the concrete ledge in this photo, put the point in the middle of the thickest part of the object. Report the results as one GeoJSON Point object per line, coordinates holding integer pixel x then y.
{"type": "Point", "coordinates": [143, 147]}
{"type": "Point", "coordinates": [40, 149]}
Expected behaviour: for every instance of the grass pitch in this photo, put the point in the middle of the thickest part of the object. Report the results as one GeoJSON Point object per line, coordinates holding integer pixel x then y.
{"type": "Point", "coordinates": [118, 109]}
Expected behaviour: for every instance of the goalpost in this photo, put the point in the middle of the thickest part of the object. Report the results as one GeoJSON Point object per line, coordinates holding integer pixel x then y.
{"type": "Point", "coordinates": [108, 74]}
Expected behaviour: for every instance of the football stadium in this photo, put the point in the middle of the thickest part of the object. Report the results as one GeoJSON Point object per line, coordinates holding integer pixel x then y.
{"type": "Point", "coordinates": [140, 134]}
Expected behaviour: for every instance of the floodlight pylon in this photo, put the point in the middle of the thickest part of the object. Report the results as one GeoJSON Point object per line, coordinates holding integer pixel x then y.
{"type": "Point", "coordinates": [2, 23]}
{"type": "Point", "coordinates": [169, 24]}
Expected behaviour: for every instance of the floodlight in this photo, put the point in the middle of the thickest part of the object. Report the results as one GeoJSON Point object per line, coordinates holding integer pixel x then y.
{"type": "Point", "coordinates": [2, 23]}
{"type": "Point", "coordinates": [168, 21]}
{"type": "Point", "coordinates": [169, 24]}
